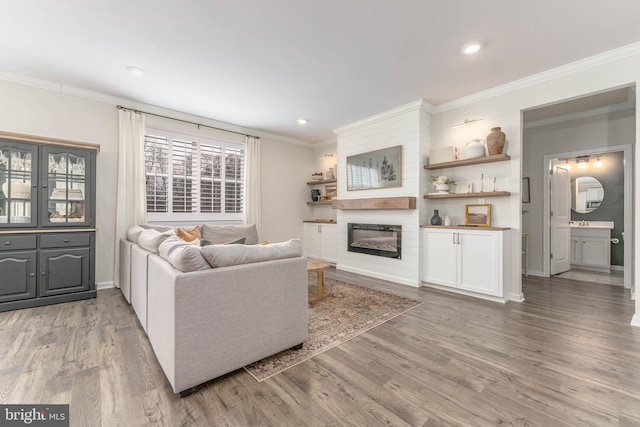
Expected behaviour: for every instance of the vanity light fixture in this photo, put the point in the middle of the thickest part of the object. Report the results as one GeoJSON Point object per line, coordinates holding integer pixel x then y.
{"type": "Point", "coordinates": [471, 48]}
{"type": "Point", "coordinates": [466, 122]}
{"type": "Point", "coordinates": [303, 121]}
{"type": "Point", "coordinates": [582, 161]}
{"type": "Point", "coordinates": [598, 162]}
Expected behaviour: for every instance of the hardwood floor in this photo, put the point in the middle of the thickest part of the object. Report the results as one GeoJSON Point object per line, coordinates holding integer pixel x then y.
{"type": "Point", "coordinates": [566, 356]}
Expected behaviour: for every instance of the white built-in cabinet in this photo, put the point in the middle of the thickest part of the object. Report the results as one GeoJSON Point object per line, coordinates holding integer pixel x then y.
{"type": "Point", "coordinates": [320, 241]}
{"type": "Point", "coordinates": [471, 260]}
{"type": "Point", "coordinates": [591, 248]}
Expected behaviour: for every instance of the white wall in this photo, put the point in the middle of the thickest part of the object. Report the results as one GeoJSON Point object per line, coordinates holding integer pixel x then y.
{"type": "Point", "coordinates": [45, 112]}
{"type": "Point", "coordinates": [402, 126]}
{"type": "Point", "coordinates": [574, 136]}
{"type": "Point", "coordinates": [503, 107]}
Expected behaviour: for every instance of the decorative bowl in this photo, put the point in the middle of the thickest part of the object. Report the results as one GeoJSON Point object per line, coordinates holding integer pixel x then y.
{"type": "Point", "coordinates": [19, 190]}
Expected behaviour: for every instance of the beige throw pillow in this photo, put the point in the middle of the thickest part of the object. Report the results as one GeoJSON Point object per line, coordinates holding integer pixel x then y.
{"type": "Point", "coordinates": [226, 255]}
{"type": "Point", "coordinates": [227, 233]}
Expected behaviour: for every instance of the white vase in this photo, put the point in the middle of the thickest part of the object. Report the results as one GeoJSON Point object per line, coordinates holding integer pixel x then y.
{"type": "Point", "coordinates": [442, 188]}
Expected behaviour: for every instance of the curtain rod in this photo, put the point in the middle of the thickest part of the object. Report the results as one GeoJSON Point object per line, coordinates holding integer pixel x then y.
{"type": "Point", "coordinates": [120, 107]}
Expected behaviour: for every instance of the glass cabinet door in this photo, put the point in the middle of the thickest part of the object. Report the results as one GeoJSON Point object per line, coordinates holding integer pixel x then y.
{"type": "Point", "coordinates": [17, 184]}
{"type": "Point", "coordinates": [64, 187]}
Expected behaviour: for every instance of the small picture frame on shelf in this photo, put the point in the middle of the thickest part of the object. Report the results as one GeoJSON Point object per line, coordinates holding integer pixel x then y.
{"type": "Point", "coordinates": [330, 191]}
{"type": "Point", "coordinates": [477, 215]}
{"type": "Point", "coordinates": [463, 188]}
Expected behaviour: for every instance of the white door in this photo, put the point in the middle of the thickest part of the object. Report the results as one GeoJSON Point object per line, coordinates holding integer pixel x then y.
{"type": "Point", "coordinates": [439, 263]}
{"type": "Point", "coordinates": [560, 217]}
{"type": "Point", "coordinates": [479, 261]}
{"type": "Point", "coordinates": [311, 240]}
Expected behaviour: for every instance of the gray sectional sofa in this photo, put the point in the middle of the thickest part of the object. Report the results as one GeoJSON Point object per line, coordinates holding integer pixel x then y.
{"type": "Point", "coordinates": [210, 310]}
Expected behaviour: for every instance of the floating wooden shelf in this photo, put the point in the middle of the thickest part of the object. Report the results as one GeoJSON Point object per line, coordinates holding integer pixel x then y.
{"type": "Point", "coordinates": [376, 203]}
{"type": "Point", "coordinates": [322, 181]}
{"type": "Point", "coordinates": [467, 195]}
{"type": "Point", "coordinates": [467, 162]}
{"type": "Point", "coordinates": [328, 202]}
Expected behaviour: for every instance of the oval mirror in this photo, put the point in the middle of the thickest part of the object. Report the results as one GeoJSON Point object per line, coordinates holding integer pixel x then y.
{"type": "Point", "coordinates": [587, 194]}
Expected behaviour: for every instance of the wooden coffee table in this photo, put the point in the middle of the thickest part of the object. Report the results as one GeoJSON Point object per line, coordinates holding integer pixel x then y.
{"type": "Point", "coordinates": [318, 266]}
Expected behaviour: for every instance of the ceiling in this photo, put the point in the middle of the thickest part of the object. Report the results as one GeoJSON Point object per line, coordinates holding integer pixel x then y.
{"type": "Point", "coordinates": [264, 64]}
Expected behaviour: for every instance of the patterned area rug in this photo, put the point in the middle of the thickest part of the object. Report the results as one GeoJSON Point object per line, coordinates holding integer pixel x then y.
{"type": "Point", "coordinates": [347, 312]}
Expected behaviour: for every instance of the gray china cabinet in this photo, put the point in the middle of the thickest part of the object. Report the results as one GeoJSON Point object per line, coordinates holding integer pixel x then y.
{"type": "Point", "coordinates": [47, 221]}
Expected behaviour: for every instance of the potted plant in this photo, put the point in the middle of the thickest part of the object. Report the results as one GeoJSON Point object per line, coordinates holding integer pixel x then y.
{"type": "Point", "coordinates": [441, 183]}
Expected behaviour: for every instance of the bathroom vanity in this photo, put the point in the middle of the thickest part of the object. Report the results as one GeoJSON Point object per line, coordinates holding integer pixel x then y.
{"type": "Point", "coordinates": [591, 245]}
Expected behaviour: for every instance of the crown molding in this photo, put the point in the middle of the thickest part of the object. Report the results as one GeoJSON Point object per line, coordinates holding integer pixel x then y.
{"type": "Point", "coordinates": [413, 106]}
{"type": "Point", "coordinates": [128, 103]}
{"type": "Point", "coordinates": [554, 73]}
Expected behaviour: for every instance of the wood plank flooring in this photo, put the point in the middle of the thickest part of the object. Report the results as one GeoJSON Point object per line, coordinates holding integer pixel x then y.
{"type": "Point", "coordinates": [565, 357]}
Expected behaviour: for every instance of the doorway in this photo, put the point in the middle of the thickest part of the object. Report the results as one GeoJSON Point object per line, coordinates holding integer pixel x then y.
{"type": "Point", "coordinates": [580, 128]}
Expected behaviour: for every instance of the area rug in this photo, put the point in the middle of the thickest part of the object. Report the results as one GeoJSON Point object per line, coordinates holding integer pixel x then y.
{"type": "Point", "coordinates": [347, 312]}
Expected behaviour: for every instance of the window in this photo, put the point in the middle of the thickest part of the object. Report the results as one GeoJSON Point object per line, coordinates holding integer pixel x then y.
{"type": "Point", "coordinates": [193, 178]}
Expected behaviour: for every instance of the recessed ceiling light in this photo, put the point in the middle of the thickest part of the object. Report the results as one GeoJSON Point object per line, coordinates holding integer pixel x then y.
{"type": "Point", "coordinates": [303, 121]}
{"type": "Point", "coordinates": [135, 71]}
{"type": "Point", "coordinates": [470, 48]}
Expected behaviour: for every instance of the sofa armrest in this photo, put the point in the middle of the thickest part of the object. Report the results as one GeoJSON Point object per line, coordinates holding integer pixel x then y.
{"type": "Point", "coordinates": [204, 324]}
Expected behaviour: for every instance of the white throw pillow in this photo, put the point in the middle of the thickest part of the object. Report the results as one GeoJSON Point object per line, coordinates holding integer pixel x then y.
{"type": "Point", "coordinates": [226, 255]}
{"type": "Point", "coordinates": [150, 239]}
{"type": "Point", "coordinates": [133, 233]}
{"type": "Point", "coordinates": [182, 255]}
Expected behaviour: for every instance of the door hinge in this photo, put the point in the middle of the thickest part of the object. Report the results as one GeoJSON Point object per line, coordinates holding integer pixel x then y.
{"type": "Point", "coordinates": [551, 256]}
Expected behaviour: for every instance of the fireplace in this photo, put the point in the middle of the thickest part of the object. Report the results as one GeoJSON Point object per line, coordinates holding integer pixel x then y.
{"type": "Point", "coordinates": [375, 239]}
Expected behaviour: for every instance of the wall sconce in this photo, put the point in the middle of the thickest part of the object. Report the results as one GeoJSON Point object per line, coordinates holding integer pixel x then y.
{"type": "Point", "coordinates": [466, 122]}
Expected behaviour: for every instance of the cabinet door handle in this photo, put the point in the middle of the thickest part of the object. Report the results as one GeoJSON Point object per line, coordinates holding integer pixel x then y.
{"type": "Point", "coordinates": [454, 237]}
{"type": "Point", "coordinates": [44, 273]}
{"type": "Point", "coordinates": [66, 240]}
{"type": "Point", "coordinates": [32, 275]}
{"type": "Point", "coordinates": [319, 229]}
{"type": "Point", "coordinates": [44, 185]}
{"type": "Point", "coordinates": [7, 243]}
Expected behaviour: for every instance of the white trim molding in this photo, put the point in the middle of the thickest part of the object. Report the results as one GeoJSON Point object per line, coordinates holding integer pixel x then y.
{"type": "Point", "coordinates": [413, 106]}
{"type": "Point", "coordinates": [104, 285]}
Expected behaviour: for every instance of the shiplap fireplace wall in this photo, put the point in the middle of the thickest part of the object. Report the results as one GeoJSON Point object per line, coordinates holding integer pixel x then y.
{"type": "Point", "coordinates": [410, 127]}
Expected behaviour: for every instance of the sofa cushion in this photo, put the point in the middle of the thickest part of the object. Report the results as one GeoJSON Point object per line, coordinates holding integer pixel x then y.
{"type": "Point", "coordinates": [226, 255]}
{"type": "Point", "coordinates": [226, 233]}
{"type": "Point", "coordinates": [182, 255]}
{"type": "Point", "coordinates": [150, 239]}
{"type": "Point", "coordinates": [133, 233]}
{"type": "Point", "coordinates": [188, 235]}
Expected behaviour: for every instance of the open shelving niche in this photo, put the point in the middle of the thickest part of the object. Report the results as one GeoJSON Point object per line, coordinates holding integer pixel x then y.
{"type": "Point", "coordinates": [468, 162]}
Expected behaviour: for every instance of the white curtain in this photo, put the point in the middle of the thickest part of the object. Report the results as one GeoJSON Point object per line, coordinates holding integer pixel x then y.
{"type": "Point", "coordinates": [252, 182]}
{"type": "Point", "coordinates": [131, 204]}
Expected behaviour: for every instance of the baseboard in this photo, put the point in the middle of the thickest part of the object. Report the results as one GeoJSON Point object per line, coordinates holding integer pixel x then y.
{"type": "Point", "coordinates": [635, 320]}
{"type": "Point", "coordinates": [104, 285]}
{"type": "Point", "coordinates": [463, 292]}
{"type": "Point", "coordinates": [617, 267]}
{"type": "Point", "coordinates": [370, 273]}
{"type": "Point", "coordinates": [516, 297]}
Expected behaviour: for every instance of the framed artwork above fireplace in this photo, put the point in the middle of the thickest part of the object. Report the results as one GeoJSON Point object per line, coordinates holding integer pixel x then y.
{"type": "Point", "coordinates": [375, 169]}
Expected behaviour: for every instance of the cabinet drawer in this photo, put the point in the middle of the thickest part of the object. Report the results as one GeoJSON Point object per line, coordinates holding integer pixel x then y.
{"type": "Point", "coordinates": [14, 243]}
{"type": "Point", "coordinates": [65, 240]}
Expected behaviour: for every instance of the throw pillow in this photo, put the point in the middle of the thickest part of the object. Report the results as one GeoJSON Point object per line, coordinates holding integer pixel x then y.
{"type": "Point", "coordinates": [182, 255]}
{"type": "Point", "coordinates": [227, 255]}
{"type": "Point", "coordinates": [188, 235]}
{"type": "Point", "coordinates": [150, 239]}
{"type": "Point", "coordinates": [226, 233]}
